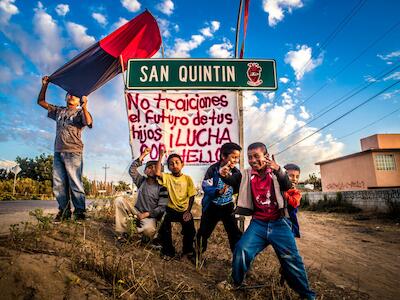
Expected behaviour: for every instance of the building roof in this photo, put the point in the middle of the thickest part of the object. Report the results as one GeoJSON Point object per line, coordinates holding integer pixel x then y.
{"type": "Point", "coordinates": [357, 154]}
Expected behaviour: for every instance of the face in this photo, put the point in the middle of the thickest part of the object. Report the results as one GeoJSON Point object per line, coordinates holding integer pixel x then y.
{"type": "Point", "coordinates": [257, 158]}
{"type": "Point", "coordinates": [294, 176]}
{"type": "Point", "coordinates": [232, 158]}
{"type": "Point", "coordinates": [72, 100]}
{"type": "Point", "coordinates": [175, 165]}
{"type": "Point", "coordinates": [150, 171]}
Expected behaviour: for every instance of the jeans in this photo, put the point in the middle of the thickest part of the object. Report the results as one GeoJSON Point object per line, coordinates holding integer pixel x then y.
{"type": "Point", "coordinates": [67, 181]}
{"type": "Point", "coordinates": [188, 232]}
{"type": "Point", "coordinates": [209, 219]}
{"type": "Point", "coordinates": [279, 234]}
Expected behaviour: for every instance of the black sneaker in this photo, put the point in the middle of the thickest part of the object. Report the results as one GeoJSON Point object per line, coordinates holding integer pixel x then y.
{"type": "Point", "coordinates": [62, 215]}
{"type": "Point", "coordinates": [79, 217]}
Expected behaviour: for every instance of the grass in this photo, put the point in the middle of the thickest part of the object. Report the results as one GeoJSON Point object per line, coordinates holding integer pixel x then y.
{"type": "Point", "coordinates": [134, 270]}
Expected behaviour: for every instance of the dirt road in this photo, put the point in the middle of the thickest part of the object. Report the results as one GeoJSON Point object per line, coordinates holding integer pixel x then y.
{"type": "Point", "coordinates": [363, 255]}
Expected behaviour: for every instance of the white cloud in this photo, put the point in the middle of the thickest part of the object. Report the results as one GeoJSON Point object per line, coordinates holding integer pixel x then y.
{"type": "Point", "coordinates": [62, 9]}
{"type": "Point", "coordinates": [390, 95]}
{"type": "Point", "coordinates": [164, 27]}
{"type": "Point", "coordinates": [249, 99]}
{"type": "Point", "coordinates": [271, 122]}
{"type": "Point", "coordinates": [182, 48]}
{"type": "Point", "coordinates": [119, 23]}
{"type": "Point", "coordinates": [100, 18]}
{"type": "Point", "coordinates": [301, 60]}
{"type": "Point", "coordinates": [223, 50]}
{"type": "Point", "coordinates": [276, 9]}
{"type": "Point", "coordinates": [7, 10]}
{"type": "Point", "coordinates": [166, 7]}
{"type": "Point", "coordinates": [79, 36]}
{"type": "Point", "coordinates": [390, 57]}
{"type": "Point", "coordinates": [269, 95]}
{"type": "Point", "coordinates": [131, 5]}
{"type": "Point", "coordinates": [284, 80]}
{"type": "Point", "coordinates": [394, 76]}
{"type": "Point", "coordinates": [210, 30]}
{"type": "Point", "coordinates": [303, 113]}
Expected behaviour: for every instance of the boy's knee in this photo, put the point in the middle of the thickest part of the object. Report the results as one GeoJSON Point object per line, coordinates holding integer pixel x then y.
{"type": "Point", "coordinates": [149, 231]}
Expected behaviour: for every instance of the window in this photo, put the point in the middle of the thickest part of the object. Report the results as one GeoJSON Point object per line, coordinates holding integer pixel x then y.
{"type": "Point", "coordinates": [385, 162]}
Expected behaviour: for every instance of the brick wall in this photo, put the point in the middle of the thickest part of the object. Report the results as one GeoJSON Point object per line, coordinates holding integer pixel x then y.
{"type": "Point", "coordinates": [366, 200]}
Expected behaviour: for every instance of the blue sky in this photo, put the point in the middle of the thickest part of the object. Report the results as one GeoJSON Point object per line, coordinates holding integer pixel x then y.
{"type": "Point", "coordinates": [38, 37]}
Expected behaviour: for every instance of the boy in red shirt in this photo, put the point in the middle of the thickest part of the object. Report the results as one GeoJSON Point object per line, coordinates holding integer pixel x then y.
{"type": "Point", "coordinates": [293, 196]}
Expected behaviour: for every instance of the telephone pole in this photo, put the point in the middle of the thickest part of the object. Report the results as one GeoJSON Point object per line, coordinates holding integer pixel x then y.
{"type": "Point", "coordinates": [105, 172]}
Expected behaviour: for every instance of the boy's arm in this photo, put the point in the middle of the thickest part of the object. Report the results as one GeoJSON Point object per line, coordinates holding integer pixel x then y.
{"type": "Point", "coordinates": [88, 118]}
{"type": "Point", "coordinates": [208, 184]}
{"type": "Point", "coordinates": [158, 172]}
{"type": "Point", "coordinates": [42, 94]}
{"type": "Point", "coordinates": [133, 170]}
{"type": "Point", "coordinates": [281, 175]}
{"type": "Point", "coordinates": [232, 179]}
{"type": "Point", "coordinates": [187, 215]}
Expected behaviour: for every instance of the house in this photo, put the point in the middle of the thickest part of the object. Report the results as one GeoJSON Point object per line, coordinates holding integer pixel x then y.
{"type": "Point", "coordinates": [376, 166]}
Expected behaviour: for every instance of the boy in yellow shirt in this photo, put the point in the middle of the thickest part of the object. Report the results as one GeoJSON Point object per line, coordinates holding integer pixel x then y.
{"type": "Point", "coordinates": [181, 193]}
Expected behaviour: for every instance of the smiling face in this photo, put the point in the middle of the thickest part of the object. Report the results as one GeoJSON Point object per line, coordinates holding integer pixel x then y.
{"type": "Point", "coordinates": [232, 158]}
{"type": "Point", "coordinates": [294, 176]}
{"type": "Point", "coordinates": [72, 101]}
{"type": "Point", "coordinates": [175, 165]}
{"type": "Point", "coordinates": [256, 158]}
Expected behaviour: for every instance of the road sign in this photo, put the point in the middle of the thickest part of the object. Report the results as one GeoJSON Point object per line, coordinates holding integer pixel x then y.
{"type": "Point", "coordinates": [201, 74]}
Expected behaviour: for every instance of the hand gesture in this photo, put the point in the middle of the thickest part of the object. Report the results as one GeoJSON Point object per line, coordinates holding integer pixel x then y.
{"type": "Point", "coordinates": [225, 171]}
{"type": "Point", "coordinates": [84, 101]}
{"type": "Point", "coordinates": [45, 80]}
{"type": "Point", "coordinates": [162, 152]}
{"type": "Point", "coordinates": [145, 152]}
{"type": "Point", "coordinates": [187, 216]}
{"type": "Point", "coordinates": [271, 163]}
{"type": "Point", "coordinates": [224, 189]}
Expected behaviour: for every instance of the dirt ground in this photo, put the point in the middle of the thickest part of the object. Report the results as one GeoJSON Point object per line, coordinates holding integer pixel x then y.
{"type": "Point", "coordinates": [345, 259]}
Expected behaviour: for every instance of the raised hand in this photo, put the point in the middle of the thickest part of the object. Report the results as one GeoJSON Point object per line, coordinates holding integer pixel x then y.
{"type": "Point", "coordinates": [45, 80]}
{"type": "Point", "coordinates": [271, 163]}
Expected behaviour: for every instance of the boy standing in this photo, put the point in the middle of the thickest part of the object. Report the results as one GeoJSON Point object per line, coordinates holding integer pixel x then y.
{"type": "Point", "coordinates": [152, 198]}
{"type": "Point", "coordinates": [260, 196]}
{"type": "Point", "coordinates": [68, 148]}
{"type": "Point", "coordinates": [293, 196]}
{"type": "Point", "coordinates": [181, 193]}
{"type": "Point", "coordinates": [217, 202]}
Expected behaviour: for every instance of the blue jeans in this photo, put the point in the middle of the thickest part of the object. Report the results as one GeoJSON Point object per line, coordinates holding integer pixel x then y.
{"type": "Point", "coordinates": [278, 233]}
{"type": "Point", "coordinates": [67, 181]}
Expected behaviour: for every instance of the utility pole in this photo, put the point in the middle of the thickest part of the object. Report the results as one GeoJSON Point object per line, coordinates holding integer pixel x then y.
{"type": "Point", "coordinates": [105, 173]}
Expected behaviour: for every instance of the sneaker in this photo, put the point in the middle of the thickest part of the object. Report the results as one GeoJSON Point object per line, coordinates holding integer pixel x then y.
{"type": "Point", "coordinates": [62, 215]}
{"type": "Point", "coordinates": [79, 217]}
{"type": "Point", "coordinates": [226, 285]}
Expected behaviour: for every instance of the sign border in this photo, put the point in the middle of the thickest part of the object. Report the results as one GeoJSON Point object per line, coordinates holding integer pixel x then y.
{"type": "Point", "coordinates": [234, 88]}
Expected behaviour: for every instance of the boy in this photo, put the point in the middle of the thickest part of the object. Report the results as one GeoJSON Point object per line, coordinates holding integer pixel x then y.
{"type": "Point", "coordinates": [152, 198]}
{"type": "Point", "coordinates": [181, 193]}
{"type": "Point", "coordinates": [293, 196]}
{"type": "Point", "coordinates": [260, 196]}
{"type": "Point", "coordinates": [68, 148]}
{"type": "Point", "coordinates": [217, 202]}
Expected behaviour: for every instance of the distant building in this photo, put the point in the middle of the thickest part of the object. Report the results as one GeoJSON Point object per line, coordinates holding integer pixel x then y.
{"type": "Point", "coordinates": [376, 166]}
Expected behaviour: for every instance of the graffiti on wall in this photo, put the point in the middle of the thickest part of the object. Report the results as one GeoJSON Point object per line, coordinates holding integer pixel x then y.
{"type": "Point", "coordinates": [339, 186]}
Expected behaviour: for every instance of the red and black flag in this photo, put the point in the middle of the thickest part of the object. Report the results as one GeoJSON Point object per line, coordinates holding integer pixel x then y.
{"type": "Point", "coordinates": [139, 38]}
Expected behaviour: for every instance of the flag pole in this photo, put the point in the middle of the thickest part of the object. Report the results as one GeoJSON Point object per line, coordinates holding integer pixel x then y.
{"type": "Point", "coordinates": [239, 93]}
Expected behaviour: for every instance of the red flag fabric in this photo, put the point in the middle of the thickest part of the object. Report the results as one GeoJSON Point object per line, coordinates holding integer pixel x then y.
{"type": "Point", "coordinates": [89, 70]}
{"type": "Point", "coordinates": [245, 21]}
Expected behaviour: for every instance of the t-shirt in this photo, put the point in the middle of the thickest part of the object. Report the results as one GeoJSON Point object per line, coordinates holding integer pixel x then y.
{"type": "Point", "coordinates": [224, 198]}
{"type": "Point", "coordinates": [70, 123]}
{"type": "Point", "coordinates": [180, 189]}
{"type": "Point", "coordinates": [265, 204]}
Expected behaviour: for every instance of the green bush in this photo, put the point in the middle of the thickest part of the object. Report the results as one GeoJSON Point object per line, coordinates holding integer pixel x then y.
{"type": "Point", "coordinates": [7, 197]}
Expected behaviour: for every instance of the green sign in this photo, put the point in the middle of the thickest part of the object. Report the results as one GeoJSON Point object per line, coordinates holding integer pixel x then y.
{"type": "Point", "coordinates": [201, 74]}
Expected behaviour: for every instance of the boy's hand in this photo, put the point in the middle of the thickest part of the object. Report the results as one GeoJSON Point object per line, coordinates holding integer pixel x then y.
{"type": "Point", "coordinates": [45, 80]}
{"type": "Point", "coordinates": [271, 163]}
{"type": "Point", "coordinates": [84, 101]}
{"type": "Point", "coordinates": [187, 216]}
{"type": "Point", "coordinates": [145, 152]}
{"type": "Point", "coordinates": [143, 215]}
{"type": "Point", "coordinates": [162, 152]}
{"type": "Point", "coordinates": [225, 171]}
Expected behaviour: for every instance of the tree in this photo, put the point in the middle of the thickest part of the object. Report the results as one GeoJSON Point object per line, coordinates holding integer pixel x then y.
{"type": "Point", "coordinates": [122, 186]}
{"type": "Point", "coordinates": [87, 185]}
{"type": "Point", "coordinates": [316, 181]}
{"type": "Point", "coordinates": [39, 168]}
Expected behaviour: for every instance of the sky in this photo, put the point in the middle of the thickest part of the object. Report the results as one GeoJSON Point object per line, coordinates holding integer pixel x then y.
{"type": "Point", "coordinates": [325, 52]}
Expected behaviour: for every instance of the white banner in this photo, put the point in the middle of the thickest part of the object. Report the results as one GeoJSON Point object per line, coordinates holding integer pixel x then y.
{"type": "Point", "coordinates": [193, 125]}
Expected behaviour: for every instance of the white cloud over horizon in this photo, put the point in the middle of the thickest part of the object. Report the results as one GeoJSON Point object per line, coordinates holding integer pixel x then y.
{"type": "Point", "coordinates": [166, 7]}
{"type": "Point", "coordinates": [301, 60]}
{"type": "Point", "coordinates": [276, 9]}
{"type": "Point", "coordinates": [79, 37]}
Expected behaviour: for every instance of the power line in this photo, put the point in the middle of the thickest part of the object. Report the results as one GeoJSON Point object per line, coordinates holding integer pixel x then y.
{"type": "Point", "coordinates": [336, 31]}
{"type": "Point", "coordinates": [341, 100]}
{"type": "Point", "coordinates": [340, 117]}
{"type": "Point", "coordinates": [352, 61]}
